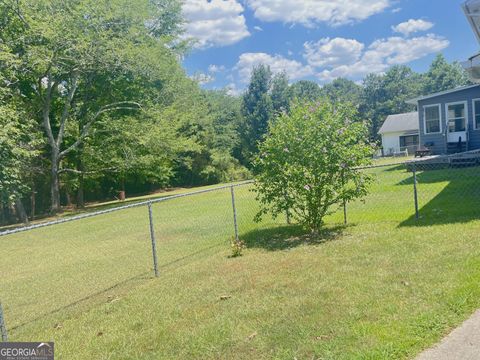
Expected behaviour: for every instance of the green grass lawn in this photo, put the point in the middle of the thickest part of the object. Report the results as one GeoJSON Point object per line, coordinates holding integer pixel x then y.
{"type": "Point", "coordinates": [383, 287]}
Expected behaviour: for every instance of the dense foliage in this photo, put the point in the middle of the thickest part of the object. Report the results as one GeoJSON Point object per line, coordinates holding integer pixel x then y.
{"type": "Point", "coordinates": [307, 164]}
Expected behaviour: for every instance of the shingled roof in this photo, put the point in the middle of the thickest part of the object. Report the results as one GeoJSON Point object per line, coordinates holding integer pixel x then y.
{"type": "Point", "coordinates": [400, 122]}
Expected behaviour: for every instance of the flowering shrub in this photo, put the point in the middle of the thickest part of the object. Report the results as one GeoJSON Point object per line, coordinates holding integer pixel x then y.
{"type": "Point", "coordinates": [307, 164]}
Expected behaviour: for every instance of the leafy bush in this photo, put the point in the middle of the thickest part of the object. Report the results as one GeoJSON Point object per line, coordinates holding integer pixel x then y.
{"type": "Point", "coordinates": [307, 164]}
{"type": "Point", "coordinates": [237, 247]}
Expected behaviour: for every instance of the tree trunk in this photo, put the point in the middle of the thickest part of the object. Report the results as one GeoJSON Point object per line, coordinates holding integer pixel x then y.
{"type": "Point", "coordinates": [81, 181]}
{"type": "Point", "coordinates": [81, 192]}
{"type": "Point", "coordinates": [21, 213]}
{"type": "Point", "coordinates": [2, 214]}
{"type": "Point", "coordinates": [33, 199]}
{"type": "Point", "coordinates": [55, 183]}
{"type": "Point", "coordinates": [69, 198]}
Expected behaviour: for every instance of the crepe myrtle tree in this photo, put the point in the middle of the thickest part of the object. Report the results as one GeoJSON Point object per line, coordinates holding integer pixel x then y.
{"type": "Point", "coordinates": [307, 164]}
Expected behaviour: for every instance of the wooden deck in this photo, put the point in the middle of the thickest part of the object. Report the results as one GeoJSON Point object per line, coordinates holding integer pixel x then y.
{"type": "Point", "coordinates": [433, 162]}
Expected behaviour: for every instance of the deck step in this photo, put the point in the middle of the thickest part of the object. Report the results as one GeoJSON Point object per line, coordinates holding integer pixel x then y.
{"type": "Point", "coordinates": [464, 161]}
{"type": "Point", "coordinates": [455, 148]}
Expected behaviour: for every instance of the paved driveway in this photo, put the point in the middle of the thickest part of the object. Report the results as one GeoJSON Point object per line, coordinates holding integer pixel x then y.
{"type": "Point", "coordinates": [463, 343]}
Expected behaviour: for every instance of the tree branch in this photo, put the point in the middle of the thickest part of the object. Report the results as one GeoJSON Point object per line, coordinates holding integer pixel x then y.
{"type": "Point", "coordinates": [122, 105]}
{"type": "Point", "coordinates": [74, 171]}
{"type": "Point", "coordinates": [66, 109]}
{"type": "Point", "coordinates": [46, 112]}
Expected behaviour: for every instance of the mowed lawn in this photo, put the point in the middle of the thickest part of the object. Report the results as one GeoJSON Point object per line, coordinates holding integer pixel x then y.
{"type": "Point", "coordinates": [383, 287]}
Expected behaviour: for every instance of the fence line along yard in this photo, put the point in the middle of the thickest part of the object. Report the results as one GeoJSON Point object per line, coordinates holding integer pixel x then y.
{"type": "Point", "coordinates": [118, 208]}
{"type": "Point", "coordinates": [72, 259]}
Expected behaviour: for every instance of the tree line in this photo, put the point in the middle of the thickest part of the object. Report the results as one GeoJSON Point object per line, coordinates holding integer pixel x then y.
{"type": "Point", "coordinates": [375, 97]}
{"type": "Point", "coordinates": [94, 103]}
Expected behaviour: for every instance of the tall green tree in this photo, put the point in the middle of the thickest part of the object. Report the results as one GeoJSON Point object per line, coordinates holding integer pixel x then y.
{"type": "Point", "coordinates": [386, 94]}
{"type": "Point", "coordinates": [81, 60]}
{"type": "Point", "coordinates": [20, 140]}
{"type": "Point", "coordinates": [443, 76]}
{"type": "Point", "coordinates": [257, 109]}
{"type": "Point", "coordinates": [306, 90]}
{"type": "Point", "coordinates": [342, 90]}
{"type": "Point", "coordinates": [281, 93]}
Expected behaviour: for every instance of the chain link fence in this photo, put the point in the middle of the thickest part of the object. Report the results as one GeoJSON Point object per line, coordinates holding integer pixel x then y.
{"type": "Point", "coordinates": [64, 264]}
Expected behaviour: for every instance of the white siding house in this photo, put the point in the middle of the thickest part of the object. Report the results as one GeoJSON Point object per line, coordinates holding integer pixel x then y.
{"type": "Point", "coordinates": [400, 133]}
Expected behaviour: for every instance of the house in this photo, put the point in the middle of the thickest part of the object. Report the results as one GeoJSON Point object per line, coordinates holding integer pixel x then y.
{"type": "Point", "coordinates": [400, 133]}
{"type": "Point", "coordinates": [449, 121]}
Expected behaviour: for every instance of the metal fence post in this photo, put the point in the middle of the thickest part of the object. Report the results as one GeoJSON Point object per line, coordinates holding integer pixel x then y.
{"type": "Point", "coordinates": [344, 202]}
{"type": "Point", "coordinates": [234, 213]}
{"type": "Point", "coordinates": [154, 242]}
{"type": "Point", "coordinates": [287, 212]}
{"type": "Point", "coordinates": [415, 194]}
{"type": "Point", "coordinates": [3, 327]}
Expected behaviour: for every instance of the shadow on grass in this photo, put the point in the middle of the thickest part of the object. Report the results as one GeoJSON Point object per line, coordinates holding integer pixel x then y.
{"type": "Point", "coordinates": [396, 167]}
{"type": "Point", "coordinates": [127, 284]}
{"type": "Point", "coordinates": [288, 237]}
{"type": "Point", "coordinates": [457, 202]}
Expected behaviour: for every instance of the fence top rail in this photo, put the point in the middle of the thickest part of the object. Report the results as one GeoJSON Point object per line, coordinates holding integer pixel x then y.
{"type": "Point", "coordinates": [403, 163]}
{"type": "Point", "coordinates": [118, 208]}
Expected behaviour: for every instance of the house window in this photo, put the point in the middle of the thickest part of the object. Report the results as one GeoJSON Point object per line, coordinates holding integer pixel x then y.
{"type": "Point", "coordinates": [408, 142]}
{"type": "Point", "coordinates": [476, 109]}
{"type": "Point", "coordinates": [456, 117]}
{"type": "Point", "coordinates": [432, 119]}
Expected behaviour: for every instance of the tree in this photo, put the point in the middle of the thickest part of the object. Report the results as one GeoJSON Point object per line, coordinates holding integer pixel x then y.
{"type": "Point", "coordinates": [20, 141]}
{"type": "Point", "coordinates": [281, 93]}
{"type": "Point", "coordinates": [257, 110]}
{"type": "Point", "coordinates": [343, 90]}
{"type": "Point", "coordinates": [307, 164]}
{"type": "Point", "coordinates": [82, 60]}
{"type": "Point", "coordinates": [386, 94]}
{"type": "Point", "coordinates": [306, 90]}
{"type": "Point", "coordinates": [443, 76]}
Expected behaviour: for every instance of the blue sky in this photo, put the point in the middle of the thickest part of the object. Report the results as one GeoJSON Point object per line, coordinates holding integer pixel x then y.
{"type": "Point", "coordinates": [320, 39]}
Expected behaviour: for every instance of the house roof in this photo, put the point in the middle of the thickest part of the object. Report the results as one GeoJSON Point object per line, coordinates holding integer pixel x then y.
{"type": "Point", "coordinates": [400, 122]}
{"type": "Point", "coordinates": [416, 100]}
{"type": "Point", "coordinates": [471, 9]}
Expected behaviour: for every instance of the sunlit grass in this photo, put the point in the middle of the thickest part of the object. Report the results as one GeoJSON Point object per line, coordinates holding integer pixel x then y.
{"type": "Point", "coordinates": [383, 287]}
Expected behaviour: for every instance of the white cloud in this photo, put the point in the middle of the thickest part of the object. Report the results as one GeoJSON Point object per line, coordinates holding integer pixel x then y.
{"type": "Point", "coordinates": [214, 22]}
{"type": "Point", "coordinates": [232, 90]}
{"type": "Point", "coordinates": [216, 68]}
{"type": "Point", "coordinates": [258, 28]}
{"type": "Point", "coordinates": [333, 52]}
{"type": "Point", "coordinates": [396, 10]}
{"type": "Point", "coordinates": [311, 12]}
{"type": "Point", "coordinates": [412, 26]}
{"type": "Point", "coordinates": [383, 53]}
{"type": "Point", "coordinates": [294, 69]}
{"type": "Point", "coordinates": [203, 78]}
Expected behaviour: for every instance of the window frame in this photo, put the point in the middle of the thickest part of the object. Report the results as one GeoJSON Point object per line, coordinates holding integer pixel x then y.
{"type": "Point", "coordinates": [474, 108]}
{"type": "Point", "coordinates": [447, 119]}
{"type": "Point", "coordinates": [440, 119]}
{"type": "Point", "coordinates": [402, 137]}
